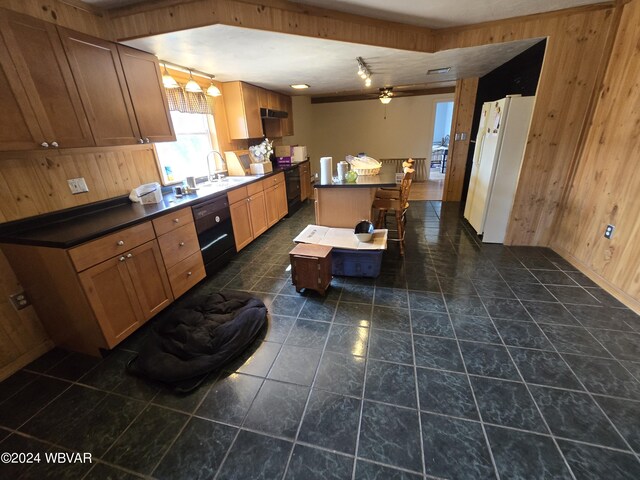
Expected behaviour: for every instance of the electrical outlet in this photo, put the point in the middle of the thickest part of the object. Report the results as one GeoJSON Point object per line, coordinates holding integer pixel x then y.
{"type": "Point", "coordinates": [77, 185]}
{"type": "Point", "coordinates": [608, 232]}
{"type": "Point", "coordinates": [19, 300]}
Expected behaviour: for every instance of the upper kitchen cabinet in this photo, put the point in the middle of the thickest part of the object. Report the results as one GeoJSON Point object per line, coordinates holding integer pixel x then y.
{"type": "Point", "coordinates": [287, 123]}
{"type": "Point", "coordinates": [275, 101]}
{"type": "Point", "coordinates": [144, 80]}
{"type": "Point", "coordinates": [40, 104]}
{"type": "Point", "coordinates": [98, 74]}
{"type": "Point", "coordinates": [242, 103]}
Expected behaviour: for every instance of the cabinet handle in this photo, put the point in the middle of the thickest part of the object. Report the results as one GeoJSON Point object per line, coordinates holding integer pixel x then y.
{"type": "Point", "coordinates": [176, 220]}
{"type": "Point", "coordinates": [147, 140]}
{"type": "Point", "coordinates": [181, 244]}
{"type": "Point", "coordinates": [120, 243]}
{"type": "Point", "coordinates": [121, 259]}
{"type": "Point", "coordinates": [189, 274]}
{"type": "Point", "coordinates": [54, 144]}
{"type": "Point", "coordinates": [129, 255]}
{"type": "Point", "coordinates": [44, 145]}
{"type": "Point", "coordinates": [140, 140]}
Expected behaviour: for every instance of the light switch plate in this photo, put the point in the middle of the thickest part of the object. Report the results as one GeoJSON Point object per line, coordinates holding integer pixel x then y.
{"type": "Point", "coordinates": [19, 300]}
{"type": "Point", "coordinates": [77, 185]}
{"type": "Point", "coordinates": [608, 232]}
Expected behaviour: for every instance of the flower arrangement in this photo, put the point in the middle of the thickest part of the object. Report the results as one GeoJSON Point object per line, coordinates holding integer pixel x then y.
{"type": "Point", "coordinates": [262, 152]}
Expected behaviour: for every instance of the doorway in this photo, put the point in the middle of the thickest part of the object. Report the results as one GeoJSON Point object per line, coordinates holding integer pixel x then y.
{"type": "Point", "coordinates": [433, 187]}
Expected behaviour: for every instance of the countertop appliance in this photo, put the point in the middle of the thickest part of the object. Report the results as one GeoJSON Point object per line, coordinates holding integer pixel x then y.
{"type": "Point", "coordinates": [497, 158]}
{"type": "Point", "coordinates": [215, 233]}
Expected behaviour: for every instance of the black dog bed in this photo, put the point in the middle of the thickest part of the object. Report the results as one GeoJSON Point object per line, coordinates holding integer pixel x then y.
{"type": "Point", "coordinates": [200, 334]}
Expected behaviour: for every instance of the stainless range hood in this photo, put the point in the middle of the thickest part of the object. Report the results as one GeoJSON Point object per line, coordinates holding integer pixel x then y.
{"type": "Point", "coordinates": [269, 113]}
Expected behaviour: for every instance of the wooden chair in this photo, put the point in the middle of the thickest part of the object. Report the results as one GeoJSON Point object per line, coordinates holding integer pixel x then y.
{"type": "Point", "coordinates": [396, 201]}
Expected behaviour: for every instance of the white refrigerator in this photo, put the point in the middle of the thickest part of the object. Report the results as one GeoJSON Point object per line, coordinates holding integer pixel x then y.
{"type": "Point", "coordinates": [497, 158]}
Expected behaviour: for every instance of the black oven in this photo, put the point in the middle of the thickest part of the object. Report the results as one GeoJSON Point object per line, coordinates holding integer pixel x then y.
{"type": "Point", "coordinates": [292, 182]}
{"type": "Point", "coordinates": [215, 233]}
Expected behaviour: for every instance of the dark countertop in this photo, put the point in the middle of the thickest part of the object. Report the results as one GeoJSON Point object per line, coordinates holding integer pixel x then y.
{"type": "Point", "coordinates": [71, 227]}
{"type": "Point", "coordinates": [386, 178]}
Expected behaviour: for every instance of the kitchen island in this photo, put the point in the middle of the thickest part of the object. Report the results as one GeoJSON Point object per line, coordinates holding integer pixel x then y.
{"type": "Point", "coordinates": [343, 204]}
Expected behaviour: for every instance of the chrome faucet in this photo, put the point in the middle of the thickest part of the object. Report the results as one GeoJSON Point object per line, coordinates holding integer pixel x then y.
{"type": "Point", "coordinates": [215, 172]}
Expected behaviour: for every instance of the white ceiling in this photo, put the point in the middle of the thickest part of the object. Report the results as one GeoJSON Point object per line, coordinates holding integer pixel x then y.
{"type": "Point", "coordinates": [427, 13]}
{"type": "Point", "coordinates": [276, 60]}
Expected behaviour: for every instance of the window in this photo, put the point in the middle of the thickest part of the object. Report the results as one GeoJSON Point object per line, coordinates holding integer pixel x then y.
{"type": "Point", "coordinates": [187, 156]}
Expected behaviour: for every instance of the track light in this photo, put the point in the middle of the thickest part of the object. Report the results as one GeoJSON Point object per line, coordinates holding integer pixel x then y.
{"type": "Point", "coordinates": [167, 80]}
{"type": "Point", "coordinates": [363, 71]}
{"type": "Point", "coordinates": [213, 91]}
{"type": "Point", "coordinates": [192, 86]}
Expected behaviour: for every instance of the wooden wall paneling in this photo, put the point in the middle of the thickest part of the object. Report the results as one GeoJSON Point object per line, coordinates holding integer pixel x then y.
{"type": "Point", "coordinates": [464, 105]}
{"type": "Point", "coordinates": [36, 183]}
{"type": "Point", "coordinates": [22, 337]}
{"type": "Point", "coordinates": [576, 46]}
{"type": "Point", "coordinates": [279, 16]}
{"type": "Point", "coordinates": [605, 187]}
{"type": "Point", "coordinates": [72, 14]}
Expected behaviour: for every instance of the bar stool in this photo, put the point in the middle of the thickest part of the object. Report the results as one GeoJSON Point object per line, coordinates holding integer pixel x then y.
{"type": "Point", "coordinates": [394, 200]}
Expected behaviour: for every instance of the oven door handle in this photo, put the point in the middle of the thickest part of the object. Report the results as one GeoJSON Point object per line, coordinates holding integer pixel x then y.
{"type": "Point", "coordinates": [211, 244]}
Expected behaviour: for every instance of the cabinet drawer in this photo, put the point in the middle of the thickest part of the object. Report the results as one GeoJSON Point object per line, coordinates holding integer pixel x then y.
{"type": "Point", "coordinates": [178, 244]}
{"type": "Point", "coordinates": [173, 220]}
{"type": "Point", "coordinates": [186, 274]}
{"type": "Point", "coordinates": [96, 251]}
{"type": "Point", "coordinates": [236, 195]}
{"type": "Point", "coordinates": [256, 187]}
{"type": "Point", "coordinates": [276, 179]}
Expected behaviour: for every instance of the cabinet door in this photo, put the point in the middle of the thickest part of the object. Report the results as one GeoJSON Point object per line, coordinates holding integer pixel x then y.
{"type": "Point", "coordinates": [241, 222]}
{"type": "Point", "coordinates": [98, 74]}
{"type": "Point", "coordinates": [144, 80]}
{"type": "Point", "coordinates": [274, 100]}
{"type": "Point", "coordinates": [251, 102]}
{"type": "Point", "coordinates": [263, 98]}
{"type": "Point", "coordinates": [112, 297]}
{"type": "Point", "coordinates": [281, 200]}
{"type": "Point", "coordinates": [271, 201]}
{"type": "Point", "coordinates": [19, 128]}
{"type": "Point", "coordinates": [258, 213]}
{"type": "Point", "coordinates": [149, 278]}
{"type": "Point", "coordinates": [42, 83]}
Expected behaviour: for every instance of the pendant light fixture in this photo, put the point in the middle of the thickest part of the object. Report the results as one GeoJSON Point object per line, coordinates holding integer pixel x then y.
{"type": "Point", "coordinates": [167, 80]}
{"type": "Point", "coordinates": [191, 85]}
{"type": "Point", "coordinates": [213, 91]}
{"type": "Point", "coordinates": [386, 94]}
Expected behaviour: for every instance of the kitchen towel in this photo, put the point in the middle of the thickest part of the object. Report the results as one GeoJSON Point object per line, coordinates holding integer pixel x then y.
{"type": "Point", "coordinates": [326, 170]}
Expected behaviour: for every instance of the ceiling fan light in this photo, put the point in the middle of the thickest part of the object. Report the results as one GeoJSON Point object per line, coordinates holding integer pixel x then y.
{"type": "Point", "coordinates": [384, 99]}
{"type": "Point", "coordinates": [367, 82]}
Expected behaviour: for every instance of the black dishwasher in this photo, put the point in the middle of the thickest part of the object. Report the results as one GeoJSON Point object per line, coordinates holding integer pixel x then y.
{"type": "Point", "coordinates": [215, 233]}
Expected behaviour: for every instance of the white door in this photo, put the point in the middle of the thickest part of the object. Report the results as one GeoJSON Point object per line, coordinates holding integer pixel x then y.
{"type": "Point", "coordinates": [487, 163]}
{"type": "Point", "coordinates": [477, 152]}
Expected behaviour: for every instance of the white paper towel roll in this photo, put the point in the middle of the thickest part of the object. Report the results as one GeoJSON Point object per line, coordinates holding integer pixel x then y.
{"type": "Point", "coordinates": [326, 170]}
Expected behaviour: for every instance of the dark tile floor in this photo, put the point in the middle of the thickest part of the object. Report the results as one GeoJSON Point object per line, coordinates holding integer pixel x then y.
{"type": "Point", "coordinates": [459, 361]}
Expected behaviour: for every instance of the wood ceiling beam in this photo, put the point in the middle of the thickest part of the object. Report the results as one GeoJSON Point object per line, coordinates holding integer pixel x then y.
{"type": "Point", "coordinates": [153, 18]}
{"type": "Point", "coordinates": [374, 96]}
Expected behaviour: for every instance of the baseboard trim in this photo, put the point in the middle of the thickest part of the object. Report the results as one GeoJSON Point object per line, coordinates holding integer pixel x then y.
{"type": "Point", "coordinates": [25, 359]}
{"type": "Point", "coordinates": [622, 296]}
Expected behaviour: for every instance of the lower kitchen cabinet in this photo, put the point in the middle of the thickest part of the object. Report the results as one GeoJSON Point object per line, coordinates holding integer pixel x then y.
{"type": "Point", "coordinates": [93, 295]}
{"type": "Point", "coordinates": [258, 213]}
{"type": "Point", "coordinates": [257, 207]}
{"type": "Point", "coordinates": [241, 222]}
{"type": "Point", "coordinates": [271, 201]}
{"type": "Point", "coordinates": [305, 181]}
{"type": "Point", "coordinates": [126, 291]}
